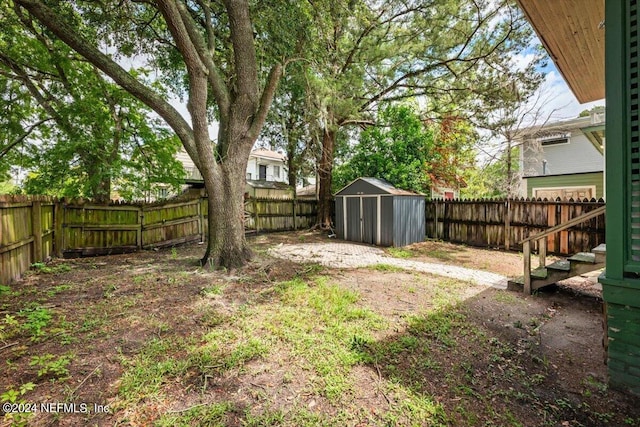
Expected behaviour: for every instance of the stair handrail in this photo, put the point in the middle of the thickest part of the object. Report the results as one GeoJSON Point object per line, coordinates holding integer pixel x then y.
{"type": "Point", "coordinates": [542, 246]}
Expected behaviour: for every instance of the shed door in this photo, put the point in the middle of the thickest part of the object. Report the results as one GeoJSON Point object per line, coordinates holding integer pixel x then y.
{"type": "Point", "coordinates": [369, 219]}
{"type": "Point", "coordinates": [354, 214]}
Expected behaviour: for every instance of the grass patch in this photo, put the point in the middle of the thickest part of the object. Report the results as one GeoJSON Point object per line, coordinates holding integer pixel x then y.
{"type": "Point", "coordinates": [213, 415]}
{"type": "Point", "coordinates": [387, 268]}
{"type": "Point", "coordinates": [146, 373]}
{"type": "Point", "coordinates": [41, 267]}
{"type": "Point", "coordinates": [507, 297]}
{"type": "Point", "coordinates": [57, 290]}
{"type": "Point", "coordinates": [319, 323]}
{"type": "Point", "coordinates": [399, 252]}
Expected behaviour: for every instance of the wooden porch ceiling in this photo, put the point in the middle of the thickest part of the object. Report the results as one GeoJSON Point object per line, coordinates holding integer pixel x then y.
{"type": "Point", "coordinates": [572, 31]}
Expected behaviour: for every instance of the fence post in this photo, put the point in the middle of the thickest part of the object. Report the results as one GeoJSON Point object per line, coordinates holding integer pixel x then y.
{"type": "Point", "coordinates": [295, 206]}
{"type": "Point", "coordinates": [507, 225]}
{"type": "Point", "coordinates": [255, 214]}
{"type": "Point", "coordinates": [445, 225]}
{"type": "Point", "coordinates": [435, 219]}
{"type": "Point", "coordinates": [36, 229]}
{"type": "Point", "coordinates": [201, 219]}
{"type": "Point", "coordinates": [58, 228]}
{"type": "Point", "coordinates": [526, 253]}
{"type": "Point", "coordinates": [141, 226]}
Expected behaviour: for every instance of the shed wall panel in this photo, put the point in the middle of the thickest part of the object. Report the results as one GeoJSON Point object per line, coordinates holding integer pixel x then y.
{"type": "Point", "coordinates": [340, 218]}
{"type": "Point", "coordinates": [386, 216]}
{"type": "Point", "coordinates": [370, 220]}
{"type": "Point", "coordinates": [354, 233]}
{"type": "Point", "coordinates": [408, 220]}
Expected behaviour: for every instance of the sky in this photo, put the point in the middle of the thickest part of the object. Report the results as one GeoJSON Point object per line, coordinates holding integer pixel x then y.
{"type": "Point", "coordinates": [564, 101]}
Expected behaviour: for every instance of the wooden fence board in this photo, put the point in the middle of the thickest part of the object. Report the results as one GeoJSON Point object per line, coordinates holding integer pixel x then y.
{"type": "Point", "coordinates": [504, 223]}
{"type": "Point", "coordinates": [81, 228]}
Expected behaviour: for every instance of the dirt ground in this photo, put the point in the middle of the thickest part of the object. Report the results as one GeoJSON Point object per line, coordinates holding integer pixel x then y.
{"type": "Point", "coordinates": [152, 339]}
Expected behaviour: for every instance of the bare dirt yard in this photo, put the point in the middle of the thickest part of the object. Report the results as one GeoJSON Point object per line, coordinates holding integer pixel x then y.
{"type": "Point", "coordinates": [153, 339]}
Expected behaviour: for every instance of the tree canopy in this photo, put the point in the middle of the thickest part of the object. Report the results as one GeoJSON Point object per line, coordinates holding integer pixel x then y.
{"type": "Point", "coordinates": [78, 133]}
{"type": "Point", "coordinates": [408, 151]}
{"type": "Point", "coordinates": [456, 55]}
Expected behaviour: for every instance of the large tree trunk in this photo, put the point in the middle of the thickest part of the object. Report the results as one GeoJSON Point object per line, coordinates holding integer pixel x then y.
{"type": "Point", "coordinates": [324, 175]}
{"type": "Point", "coordinates": [226, 245]}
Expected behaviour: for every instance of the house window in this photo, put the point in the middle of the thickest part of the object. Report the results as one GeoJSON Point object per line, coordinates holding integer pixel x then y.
{"type": "Point", "coordinates": [163, 193]}
{"type": "Point", "coordinates": [262, 172]}
{"type": "Point", "coordinates": [555, 139]}
{"type": "Point", "coordinates": [276, 172]}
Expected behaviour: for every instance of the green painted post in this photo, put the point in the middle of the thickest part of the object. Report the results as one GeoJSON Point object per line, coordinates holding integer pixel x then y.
{"type": "Point", "coordinates": [621, 292]}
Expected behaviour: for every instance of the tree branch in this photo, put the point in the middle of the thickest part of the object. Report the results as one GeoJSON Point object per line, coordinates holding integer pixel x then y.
{"type": "Point", "coordinates": [265, 101]}
{"type": "Point", "coordinates": [56, 24]}
{"type": "Point", "coordinates": [22, 137]}
{"type": "Point", "coordinates": [205, 52]}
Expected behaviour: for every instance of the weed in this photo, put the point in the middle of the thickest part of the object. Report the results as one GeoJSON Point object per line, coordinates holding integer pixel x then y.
{"type": "Point", "coordinates": [43, 268]}
{"type": "Point", "coordinates": [506, 297]}
{"type": "Point", "coordinates": [49, 365]}
{"type": "Point", "coordinates": [108, 290]}
{"type": "Point", "coordinates": [9, 328]}
{"type": "Point", "coordinates": [58, 289]}
{"type": "Point", "coordinates": [36, 320]}
{"type": "Point", "coordinates": [5, 290]}
{"type": "Point", "coordinates": [174, 253]}
{"type": "Point", "coordinates": [203, 415]}
{"type": "Point", "coordinates": [400, 253]}
{"type": "Point", "coordinates": [564, 404]}
{"type": "Point", "coordinates": [386, 268]}
{"type": "Point", "coordinates": [11, 396]}
{"type": "Point", "coordinates": [150, 369]}
{"type": "Point", "coordinates": [441, 255]}
{"type": "Point", "coordinates": [212, 291]}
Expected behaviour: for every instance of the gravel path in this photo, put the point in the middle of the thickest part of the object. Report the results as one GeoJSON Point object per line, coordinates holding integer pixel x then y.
{"type": "Point", "coordinates": [348, 255]}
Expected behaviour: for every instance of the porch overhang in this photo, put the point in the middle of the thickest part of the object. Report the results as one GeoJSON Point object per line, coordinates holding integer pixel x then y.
{"type": "Point", "coordinates": [572, 32]}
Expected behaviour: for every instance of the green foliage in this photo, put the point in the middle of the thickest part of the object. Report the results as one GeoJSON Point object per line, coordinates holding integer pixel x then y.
{"type": "Point", "coordinates": [43, 268]}
{"type": "Point", "coordinates": [17, 419]}
{"type": "Point", "coordinates": [398, 150]}
{"type": "Point", "coordinates": [75, 132]}
{"type": "Point", "coordinates": [36, 320]}
{"type": "Point", "coordinates": [409, 152]}
{"type": "Point", "coordinates": [50, 365]}
{"type": "Point", "coordinates": [490, 181]}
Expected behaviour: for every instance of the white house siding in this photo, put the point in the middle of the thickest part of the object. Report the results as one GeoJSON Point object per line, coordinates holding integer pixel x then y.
{"type": "Point", "coordinates": [578, 156]}
{"type": "Point", "coordinates": [253, 167]}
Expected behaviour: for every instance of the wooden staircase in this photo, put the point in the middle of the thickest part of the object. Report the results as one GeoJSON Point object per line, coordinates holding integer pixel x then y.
{"type": "Point", "coordinates": [580, 263]}
{"type": "Point", "coordinates": [575, 265]}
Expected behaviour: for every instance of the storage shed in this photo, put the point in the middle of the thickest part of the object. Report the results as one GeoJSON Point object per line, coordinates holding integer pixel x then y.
{"type": "Point", "coordinates": [370, 210]}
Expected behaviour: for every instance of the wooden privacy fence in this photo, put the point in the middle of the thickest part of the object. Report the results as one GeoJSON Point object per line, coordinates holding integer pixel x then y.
{"type": "Point", "coordinates": [504, 224]}
{"type": "Point", "coordinates": [34, 228]}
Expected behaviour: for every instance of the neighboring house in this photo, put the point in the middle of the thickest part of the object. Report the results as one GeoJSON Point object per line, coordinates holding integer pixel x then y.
{"type": "Point", "coordinates": [564, 159]}
{"type": "Point", "coordinates": [267, 165]}
{"type": "Point", "coordinates": [441, 189]}
{"type": "Point", "coordinates": [266, 173]}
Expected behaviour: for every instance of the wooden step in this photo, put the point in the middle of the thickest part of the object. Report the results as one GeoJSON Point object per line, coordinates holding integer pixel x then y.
{"type": "Point", "coordinates": [576, 265]}
{"type": "Point", "coordinates": [560, 266]}
{"type": "Point", "coordinates": [601, 252]}
{"type": "Point", "coordinates": [584, 257]}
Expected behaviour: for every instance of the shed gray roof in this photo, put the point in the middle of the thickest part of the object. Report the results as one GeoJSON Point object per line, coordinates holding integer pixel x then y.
{"type": "Point", "coordinates": [384, 186]}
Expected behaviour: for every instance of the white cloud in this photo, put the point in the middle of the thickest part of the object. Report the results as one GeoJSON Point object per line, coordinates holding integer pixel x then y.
{"type": "Point", "coordinates": [562, 102]}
